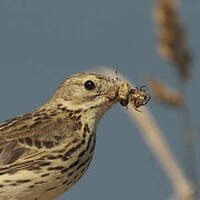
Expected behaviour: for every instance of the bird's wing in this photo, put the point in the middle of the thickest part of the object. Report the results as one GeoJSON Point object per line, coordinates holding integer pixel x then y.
{"type": "Point", "coordinates": [28, 136]}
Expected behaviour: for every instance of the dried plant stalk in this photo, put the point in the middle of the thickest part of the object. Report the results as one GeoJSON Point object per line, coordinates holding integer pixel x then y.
{"type": "Point", "coordinates": [173, 45]}
{"type": "Point", "coordinates": [155, 140]}
{"type": "Point", "coordinates": [165, 94]}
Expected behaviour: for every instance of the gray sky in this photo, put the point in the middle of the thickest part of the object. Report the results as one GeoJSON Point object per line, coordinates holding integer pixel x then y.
{"type": "Point", "coordinates": [43, 42]}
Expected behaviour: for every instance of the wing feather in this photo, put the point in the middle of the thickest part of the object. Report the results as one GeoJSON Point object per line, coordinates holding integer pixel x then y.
{"type": "Point", "coordinates": [25, 136]}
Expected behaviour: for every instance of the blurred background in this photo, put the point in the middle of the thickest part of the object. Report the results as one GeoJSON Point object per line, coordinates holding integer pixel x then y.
{"type": "Point", "coordinates": [43, 42]}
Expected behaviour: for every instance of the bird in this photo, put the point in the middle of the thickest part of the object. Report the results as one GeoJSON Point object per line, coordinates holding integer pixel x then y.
{"type": "Point", "coordinates": [45, 152]}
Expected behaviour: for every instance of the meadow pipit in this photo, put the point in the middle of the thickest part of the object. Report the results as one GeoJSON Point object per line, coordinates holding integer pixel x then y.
{"type": "Point", "coordinates": [44, 152]}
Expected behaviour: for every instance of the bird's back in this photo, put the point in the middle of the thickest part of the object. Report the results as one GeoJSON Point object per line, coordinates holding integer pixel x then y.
{"type": "Point", "coordinates": [46, 158]}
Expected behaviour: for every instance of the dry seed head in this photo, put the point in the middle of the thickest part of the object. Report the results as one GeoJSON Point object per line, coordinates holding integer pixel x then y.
{"type": "Point", "coordinates": [165, 94]}
{"type": "Point", "coordinates": [173, 43]}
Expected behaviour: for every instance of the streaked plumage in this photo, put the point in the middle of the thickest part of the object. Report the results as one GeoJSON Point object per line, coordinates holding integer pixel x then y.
{"type": "Point", "coordinates": [44, 152]}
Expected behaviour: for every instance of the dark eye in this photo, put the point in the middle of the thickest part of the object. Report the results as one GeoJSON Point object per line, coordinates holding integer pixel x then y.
{"type": "Point", "coordinates": [89, 85]}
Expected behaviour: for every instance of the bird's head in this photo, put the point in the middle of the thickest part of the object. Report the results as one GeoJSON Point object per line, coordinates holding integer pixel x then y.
{"type": "Point", "coordinates": [95, 93]}
{"type": "Point", "coordinates": [88, 90]}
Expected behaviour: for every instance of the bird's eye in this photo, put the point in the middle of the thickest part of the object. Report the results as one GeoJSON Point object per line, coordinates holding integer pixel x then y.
{"type": "Point", "coordinates": [89, 85]}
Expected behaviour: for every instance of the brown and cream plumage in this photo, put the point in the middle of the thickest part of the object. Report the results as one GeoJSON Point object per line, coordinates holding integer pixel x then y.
{"type": "Point", "coordinates": [44, 152]}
